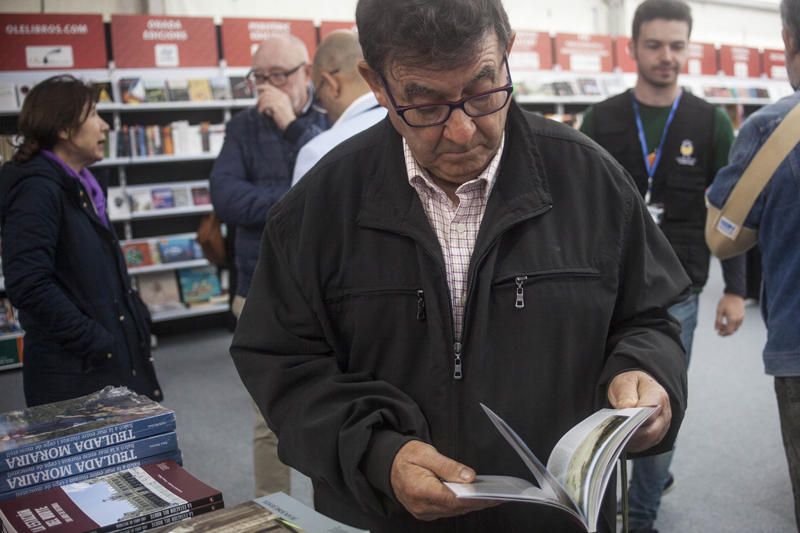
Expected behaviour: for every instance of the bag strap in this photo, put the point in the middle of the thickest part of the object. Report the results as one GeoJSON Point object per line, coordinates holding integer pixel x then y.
{"type": "Point", "coordinates": [758, 173]}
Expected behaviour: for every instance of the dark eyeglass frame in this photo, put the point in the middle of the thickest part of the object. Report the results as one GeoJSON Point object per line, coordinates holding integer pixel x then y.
{"type": "Point", "coordinates": [402, 109]}
{"type": "Point", "coordinates": [253, 75]}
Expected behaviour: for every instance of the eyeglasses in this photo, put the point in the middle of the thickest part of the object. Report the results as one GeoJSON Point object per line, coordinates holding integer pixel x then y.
{"type": "Point", "coordinates": [277, 79]}
{"type": "Point", "coordinates": [436, 114]}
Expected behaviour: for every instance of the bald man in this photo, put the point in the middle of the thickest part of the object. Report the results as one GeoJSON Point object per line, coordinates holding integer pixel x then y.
{"type": "Point", "coordinates": [343, 93]}
{"type": "Point", "coordinates": [252, 172]}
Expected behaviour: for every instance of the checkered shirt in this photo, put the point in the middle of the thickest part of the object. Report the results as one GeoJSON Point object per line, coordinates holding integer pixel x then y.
{"type": "Point", "coordinates": [456, 226]}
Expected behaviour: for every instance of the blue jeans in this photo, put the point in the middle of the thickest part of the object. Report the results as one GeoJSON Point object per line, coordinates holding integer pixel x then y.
{"type": "Point", "coordinates": [650, 473]}
{"type": "Point", "coordinates": [787, 390]}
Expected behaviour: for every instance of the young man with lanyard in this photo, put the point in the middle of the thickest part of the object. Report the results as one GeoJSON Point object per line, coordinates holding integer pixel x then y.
{"type": "Point", "coordinates": [672, 143]}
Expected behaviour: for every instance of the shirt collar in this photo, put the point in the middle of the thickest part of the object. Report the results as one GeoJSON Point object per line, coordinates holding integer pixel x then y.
{"type": "Point", "coordinates": [361, 104]}
{"type": "Point", "coordinates": [489, 175]}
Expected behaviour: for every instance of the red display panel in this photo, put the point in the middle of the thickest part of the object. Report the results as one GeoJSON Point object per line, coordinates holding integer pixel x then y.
{"type": "Point", "coordinates": [533, 50]}
{"type": "Point", "coordinates": [149, 41]}
{"type": "Point", "coordinates": [326, 27]}
{"type": "Point", "coordinates": [740, 61]}
{"type": "Point", "coordinates": [775, 64]}
{"type": "Point", "coordinates": [622, 55]}
{"type": "Point", "coordinates": [52, 41]}
{"type": "Point", "coordinates": [584, 53]}
{"type": "Point", "coordinates": [702, 60]}
{"type": "Point", "coordinates": [241, 37]}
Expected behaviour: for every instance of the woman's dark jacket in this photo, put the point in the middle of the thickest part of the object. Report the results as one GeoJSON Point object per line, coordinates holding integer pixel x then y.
{"type": "Point", "coordinates": [346, 342]}
{"type": "Point", "coordinates": [85, 326]}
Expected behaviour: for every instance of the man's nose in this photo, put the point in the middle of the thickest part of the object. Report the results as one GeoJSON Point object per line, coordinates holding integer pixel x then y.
{"type": "Point", "coordinates": [459, 128]}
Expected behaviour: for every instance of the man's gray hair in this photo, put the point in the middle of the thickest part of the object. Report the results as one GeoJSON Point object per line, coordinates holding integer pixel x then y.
{"type": "Point", "coordinates": [444, 34]}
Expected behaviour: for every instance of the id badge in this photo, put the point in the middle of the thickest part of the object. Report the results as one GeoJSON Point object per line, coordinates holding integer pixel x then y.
{"type": "Point", "coordinates": [657, 212]}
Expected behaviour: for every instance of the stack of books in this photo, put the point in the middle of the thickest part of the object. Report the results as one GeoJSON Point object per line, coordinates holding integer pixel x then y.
{"type": "Point", "coordinates": [75, 440]}
{"type": "Point", "coordinates": [135, 499]}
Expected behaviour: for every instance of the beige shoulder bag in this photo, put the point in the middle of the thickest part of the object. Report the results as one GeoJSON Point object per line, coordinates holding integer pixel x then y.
{"type": "Point", "coordinates": [726, 235]}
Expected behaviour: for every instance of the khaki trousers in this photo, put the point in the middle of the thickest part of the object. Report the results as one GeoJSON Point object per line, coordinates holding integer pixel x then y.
{"type": "Point", "coordinates": [269, 473]}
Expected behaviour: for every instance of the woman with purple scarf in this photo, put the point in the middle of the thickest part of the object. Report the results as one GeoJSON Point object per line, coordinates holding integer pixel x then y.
{"type": "Point", "coordinates": [85, 325]}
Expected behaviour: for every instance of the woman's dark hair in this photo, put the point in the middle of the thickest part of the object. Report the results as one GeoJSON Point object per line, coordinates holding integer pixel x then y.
{"type": "Point", "coordinates": [60, 103]}
{"type": "Point", "coordinates": [435, 34]}
{"type": "Point", "coordinates": [660, 9]}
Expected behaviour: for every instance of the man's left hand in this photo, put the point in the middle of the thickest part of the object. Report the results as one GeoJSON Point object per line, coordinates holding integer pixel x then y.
{"type": "Point", "coordinates": [276, 104]}
{"type": "Point", "coordinates": [730, 314]}
{"type": "Point", "coordinates": [638, 389]}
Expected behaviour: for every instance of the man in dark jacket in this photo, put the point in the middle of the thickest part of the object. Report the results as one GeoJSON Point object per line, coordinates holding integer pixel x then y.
{"type": "Point", "coordinates": [253, 171]}
{"type": "Point", "coordinates": [461, 251]}
{"type": "Point", "coordinates": [672, 143]}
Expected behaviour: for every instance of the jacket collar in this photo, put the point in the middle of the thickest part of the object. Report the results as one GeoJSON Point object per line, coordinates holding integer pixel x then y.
{"type": "Point", "coordinates": [520, 192]}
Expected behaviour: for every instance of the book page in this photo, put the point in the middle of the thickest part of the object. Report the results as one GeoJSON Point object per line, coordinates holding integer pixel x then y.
{"type": "Point", "coordinates": [582, 461]}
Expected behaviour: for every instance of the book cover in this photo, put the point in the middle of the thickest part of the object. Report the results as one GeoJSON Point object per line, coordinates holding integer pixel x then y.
{"type": "Point", "coordinates": [141, 200]}
{"type": "Point", "coordinates": [163, 518]}
{"type": "Point", "coordinates": [178, 90]}
{"type": "Point", "coordinates": [51, 431]}
{"type": "Point", "coordinates": [181, 197]}
{"type": "Point", "coordinates": [137, 254]}
{"type": "Point", "coordinates": [163, 198]}
{"type": "Point", "coordinates": [155, 91]}
{"type": "Point", "coordinates": [125, 501]}
{"type": "Point", "coordinates": [159, 291]}
{"type": "Point", "coordinates": [96, 459]}
{"type": "Point", "coordinates": [132, 91]}
{"type": "Point", "coordinates": [179, 249]}
{"type": "Point", "coordinates": [105, 94]}
{"type": "Point", "coordinates": [170, 456]}
{"type": "Point", "coordinates": [247, 517]}
{"type": "Point", "coordinates": [201, 196]}
{"type": "Point", "coordinates": [240, 87]}
{"type": "Point", "coordinates": [8, 96]}
{"type": "Point", "coordinates": [199, 90]}
{"type": "Point", "coordinates": [199, 284]}
{"type": "Point", "coordinates": [577, 472]}
{"type": "Point", "coordinates": [220, 89]}
{"type": "Point", "coordinates": [301, 517]}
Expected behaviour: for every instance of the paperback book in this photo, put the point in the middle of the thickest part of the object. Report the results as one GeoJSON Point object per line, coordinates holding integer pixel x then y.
{"type": "Point", "coordinates": [199, 284]}
{"type": "Point", "coordinates": [48, 432]}
{"type": "Point", "coordinates": [130, 500]}
{"type": "Point", "coordinates": [138, 254]}
{"type": "Point", "coordinates": [179, 249]}
{"type": "Point", "coordinates": [578, 471]}
{"type": "Point", "coordinates": [132, 90]}
{"type": "Point", "coordinates": [97, 459]}
{"type": "Point", "coordinates": [159, 290]}
{"type": "Point", "coordinates": [46, 485]}
{"type": "Point", "coordinates": [273, 513]}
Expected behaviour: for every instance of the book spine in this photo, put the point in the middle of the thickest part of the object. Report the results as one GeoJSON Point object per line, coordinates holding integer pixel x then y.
{"type": "Point", "coordinates": [40, 452]}
{"type": "Point", "coordinates": [125, 525]}
{"type": "Point", "coordinates": [86, 462]}
{"type": "Point", "coordinates": [170, 456]}
{"type": "Point", "coordinates": [171, 519]}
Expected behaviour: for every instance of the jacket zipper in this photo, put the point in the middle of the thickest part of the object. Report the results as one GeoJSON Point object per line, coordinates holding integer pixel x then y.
{"type": "Point", "coordinates": [420, 305]}
{"type": "Point", "coordinates": [520, 302]}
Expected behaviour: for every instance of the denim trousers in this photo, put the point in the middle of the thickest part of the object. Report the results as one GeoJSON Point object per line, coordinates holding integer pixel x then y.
{"type": "Point", "coordinates": [787, 391]}
{"type": "Point", "coordinates": [650, 473]}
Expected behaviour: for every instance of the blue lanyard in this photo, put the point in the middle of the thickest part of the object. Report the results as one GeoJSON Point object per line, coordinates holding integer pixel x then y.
{"type": "Point", "coordinates": [651, 169]}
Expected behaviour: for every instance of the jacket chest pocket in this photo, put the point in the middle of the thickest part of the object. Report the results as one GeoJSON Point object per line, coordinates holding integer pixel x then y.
{"type": "Point", "coordinates": [543, 287]}
{"type": "Point", "coordinates": [370, 323]}
{"type": "Point", "coordinates": [684, 196]}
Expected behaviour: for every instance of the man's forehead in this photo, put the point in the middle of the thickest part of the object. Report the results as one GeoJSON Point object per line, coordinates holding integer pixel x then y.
{"type": "Point", "coordinates": [277, 55]}
{"type": "Point", "coordinates": [664, 30]}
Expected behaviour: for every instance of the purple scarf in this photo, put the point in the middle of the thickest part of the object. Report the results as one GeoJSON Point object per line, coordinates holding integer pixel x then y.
{"type": "Point", "coordinates": [89, 183]}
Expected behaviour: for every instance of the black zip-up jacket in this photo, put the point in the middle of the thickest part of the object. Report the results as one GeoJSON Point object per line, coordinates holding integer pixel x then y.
{"type": "Point", "coordinates": [85, 326]}
{"type": "Point", "coordinates": [346, 341]}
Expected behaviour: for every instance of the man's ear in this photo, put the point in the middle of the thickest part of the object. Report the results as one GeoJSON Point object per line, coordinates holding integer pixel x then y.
{"type": "Point", "coordinates": [511, 42]}
{"type": "Point", "coordinates": [789, 44]}
{"type": "Point", "coordinates": [373, 80]}
{"type": "Point", "coordinates": [333, 83]}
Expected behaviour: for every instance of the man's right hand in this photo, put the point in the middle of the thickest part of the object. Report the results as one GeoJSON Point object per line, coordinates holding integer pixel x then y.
{"type": "Point", "coordinates": [276, 104]}
{"type": "Point", "coordinates": [417, 474]}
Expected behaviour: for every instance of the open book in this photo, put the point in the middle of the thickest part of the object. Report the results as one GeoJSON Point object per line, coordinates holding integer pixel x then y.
{"type": "Point", "coordinates": [577, 472]}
